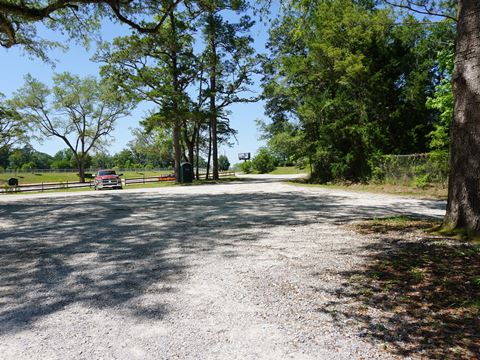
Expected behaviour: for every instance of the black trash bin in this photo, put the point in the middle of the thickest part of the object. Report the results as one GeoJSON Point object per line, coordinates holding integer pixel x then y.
{"type": "Point", "coordinates": [186, 172]}
{"type": "Point", "coordinates": [13, 182]}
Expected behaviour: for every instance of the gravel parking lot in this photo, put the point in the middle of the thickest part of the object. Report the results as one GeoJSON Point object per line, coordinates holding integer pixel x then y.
{"type": "Point", "coordinates": [241, 270]}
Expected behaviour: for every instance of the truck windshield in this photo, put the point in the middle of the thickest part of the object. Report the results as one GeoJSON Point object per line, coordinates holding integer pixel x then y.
{"type": "Point", "coordinates": [106, 172]}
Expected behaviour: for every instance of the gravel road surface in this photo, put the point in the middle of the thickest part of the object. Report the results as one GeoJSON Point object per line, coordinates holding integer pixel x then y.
{"type": "Point", "coordinates": [244, 270]}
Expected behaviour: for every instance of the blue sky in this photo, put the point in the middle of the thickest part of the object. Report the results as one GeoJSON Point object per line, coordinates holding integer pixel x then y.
{"type": "Point", "coordinates": [14, 64]}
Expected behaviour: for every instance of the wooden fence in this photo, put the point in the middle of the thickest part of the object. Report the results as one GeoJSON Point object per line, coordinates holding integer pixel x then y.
{"type": "Point", "coordinates": [45, 186]}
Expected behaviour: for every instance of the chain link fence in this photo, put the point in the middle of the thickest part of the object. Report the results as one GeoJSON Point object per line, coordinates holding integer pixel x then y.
{"type": "Point", "coordinates": [419, 170]}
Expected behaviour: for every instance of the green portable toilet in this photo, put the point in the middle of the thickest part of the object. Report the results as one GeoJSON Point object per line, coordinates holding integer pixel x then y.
{"type": "Point", "coordinates": [186, 172]}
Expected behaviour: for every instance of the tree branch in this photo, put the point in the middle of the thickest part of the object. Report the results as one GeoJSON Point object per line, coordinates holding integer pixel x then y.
{"type": "Point", "coordinates": [413, 6]}
{"type": "Point", "coordinates": [24, 12]}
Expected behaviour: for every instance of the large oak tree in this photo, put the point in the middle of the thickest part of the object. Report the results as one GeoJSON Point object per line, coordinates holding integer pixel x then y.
{"type": "Point", "coordinates": [19, 19]}
{"type": "Point", "coordinates": [463, 207]}
{"type": "Point", "coordinates": [80, 112]}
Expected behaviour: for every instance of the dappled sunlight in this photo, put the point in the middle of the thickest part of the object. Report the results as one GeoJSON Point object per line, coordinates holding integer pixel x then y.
{"type": "Point", "coordinates": [418, 297]}
{"type": "Point", "coordinates": [115, 250]}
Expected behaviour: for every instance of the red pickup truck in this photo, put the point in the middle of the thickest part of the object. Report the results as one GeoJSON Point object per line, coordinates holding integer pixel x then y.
{"type": "Point", "coordinates": [107, 179]}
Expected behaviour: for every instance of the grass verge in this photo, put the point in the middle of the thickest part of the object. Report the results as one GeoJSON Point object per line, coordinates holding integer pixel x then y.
{"type": "Point", "coordinates": [431, 193]}
{"type": "Point", "coordinates": [288, 170]}
{"type": "Point", "coordinates": [397, 223]}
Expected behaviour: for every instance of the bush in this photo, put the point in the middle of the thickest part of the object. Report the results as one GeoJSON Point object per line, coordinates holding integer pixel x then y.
{"type": "Point", "coordinates": [61, 164]}
{"type": "Point", "coordinates": [263, 162]}
{"type": "Point", "coordinates": [223, 163]}
{"type": "Point", "coordinates": [28, 166]}
{"type": "Point", "coordinates": [301, 163]}
{"type": "Point", "coordinates": [246, 167]}
{"type": "Point", "coordinates": [378, 175]}
{"type": "Point", "coordinates": [421, 181]}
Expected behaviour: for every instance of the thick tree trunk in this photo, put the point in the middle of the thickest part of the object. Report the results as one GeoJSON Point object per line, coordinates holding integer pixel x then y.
{"type": "Point", "coordinates": [463, 208]}
{"type": "Point", "coordinates": [213, 125]}
{"type": "Point", "coordinates": [190, 144]}
{"type": "Point", "coordinates": [191, 156]}
{"type": "Point", "coordinates": [213, 96]}
{"type": "Point", "coordinates": [197, 152]}
{"type": "Point", "coordinates": [177, 149]}
{"type": "Point", "coordinates": [209, 151]}
{"type": "Point", "coordinates": [81, 168]}
{"type": "Point", "coordinates": [213, 120]}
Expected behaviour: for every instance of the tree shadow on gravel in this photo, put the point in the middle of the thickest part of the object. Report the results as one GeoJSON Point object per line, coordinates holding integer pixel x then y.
{"type": "Point", "coordinates": [118, 250]}
{"type": "Point", "coordinates": [420, 297]}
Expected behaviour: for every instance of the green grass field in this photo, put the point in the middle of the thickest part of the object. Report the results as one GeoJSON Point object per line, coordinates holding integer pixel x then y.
{"type": "Point", "coordinates": [136, 186]}
{"type": "Point", "coordinates": [31, 178]}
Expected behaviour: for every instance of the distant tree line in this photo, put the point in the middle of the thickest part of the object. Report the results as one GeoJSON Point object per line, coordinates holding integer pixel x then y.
{"type": "Point", "coordinates": [27, 158]}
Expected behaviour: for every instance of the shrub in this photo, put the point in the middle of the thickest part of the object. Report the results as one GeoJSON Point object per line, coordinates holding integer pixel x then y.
{"type": "Point", "coordinates": [246, 167]}
{"type": "Point", "coordinates": [61, 164]}
{"type": "Point", "coordinates": [263, 162]}
{"type": "Point", "coordinates": [421, 181]}
{"type": "Point", "coordinates": [28, 166]}
{"type": "Point", "coordinates": [223, 163]}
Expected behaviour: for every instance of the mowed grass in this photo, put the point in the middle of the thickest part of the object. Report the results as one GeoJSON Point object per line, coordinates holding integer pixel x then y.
{"type": "Point", "coordinates": [159, 184]}
{"type": "Point", "coordinates": [172, 183]}
{"type": "Point", "coordinates": [287, 170]}
{"type": "Point", "coordinates": [88, 189]}
{"type": "Point", "coordinates": [33, 177]}
{"type": "Point", "coordinates": [430, 192]}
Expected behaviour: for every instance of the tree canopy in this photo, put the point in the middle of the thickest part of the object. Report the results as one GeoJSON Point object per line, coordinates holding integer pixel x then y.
{"type": "Point", "coordinates": [80, 112]}
{"type": "Point", "coordinates": [353, 82]}
{"type": "Point", "coordinates": [19, 19]}
{"type": "Point", "coordinates": [12, 127]}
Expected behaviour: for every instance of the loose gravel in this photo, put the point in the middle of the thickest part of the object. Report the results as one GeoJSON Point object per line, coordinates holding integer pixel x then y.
{"type": "Point", "coordinates": [243, 270]}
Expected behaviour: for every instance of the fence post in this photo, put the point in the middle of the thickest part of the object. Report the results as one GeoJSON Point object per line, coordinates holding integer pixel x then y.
{"type": "Point", "coordinates": [144, 178]}
{"type": "Point", "coordinates": [42, 186]}
{"type": "Point", "coordinates": [67, 184]}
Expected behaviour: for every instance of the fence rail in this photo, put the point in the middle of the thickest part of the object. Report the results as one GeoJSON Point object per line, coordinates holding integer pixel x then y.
{"type": "Point", "coordinates": [91, 170]}
{"type": "Point", "coordinates": [46, 186]}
